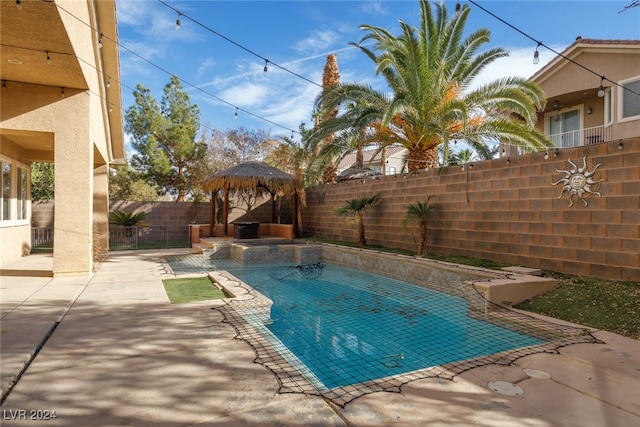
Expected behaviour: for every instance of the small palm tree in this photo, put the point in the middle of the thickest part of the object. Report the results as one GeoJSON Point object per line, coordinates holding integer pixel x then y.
{"type": "Point", "coordinates": [127, 219]}
{"type": "Point", "coordinates": [356, 207]}
{"type": "Point", "coordinates": [418, 213]}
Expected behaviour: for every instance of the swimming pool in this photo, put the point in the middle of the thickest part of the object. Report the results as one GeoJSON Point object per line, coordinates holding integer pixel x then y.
{"type": "Point", "coordinates": [345, 332]}
{"type": "Point", "coordinates": [349, 326]}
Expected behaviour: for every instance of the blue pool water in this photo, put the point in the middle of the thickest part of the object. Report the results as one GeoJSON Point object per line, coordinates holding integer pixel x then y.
{"type": "Point", "coordinates": [349, 326]}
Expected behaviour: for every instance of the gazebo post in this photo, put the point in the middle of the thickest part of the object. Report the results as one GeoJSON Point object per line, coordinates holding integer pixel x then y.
{"type": "Point", "coordinates": [273, 209]}
{"type": "Point", "coordinates": [296, 232]}
{"type": "Point", "coordinates": [212, 214]}
{"type": "Point", "coordinates": [225, 212]}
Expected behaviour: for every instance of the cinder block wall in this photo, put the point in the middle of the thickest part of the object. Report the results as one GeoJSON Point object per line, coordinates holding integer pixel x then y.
{"type": "Point", "coordinates": [166, 213]}
{"type": "Point", "coordinates": [42, 213]}
{"type": "Point", "coordinates": [506, 210]}
{"type": "Point", "coordinates": [158, 213]}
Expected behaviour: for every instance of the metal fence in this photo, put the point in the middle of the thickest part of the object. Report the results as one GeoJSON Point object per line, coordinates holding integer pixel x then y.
{"type": "Point", "coordinates": [121, 238]}
{"type": "Point", "coordinates": [160, 236]}
{"type": "Point", "coordinates": [41, 239]}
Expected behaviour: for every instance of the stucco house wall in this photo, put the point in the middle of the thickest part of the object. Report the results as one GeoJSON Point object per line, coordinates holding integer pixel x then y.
{"type": "Point", "coordinates": [569, 85]}
{"type": "Point", "coordinates": [62, 110]}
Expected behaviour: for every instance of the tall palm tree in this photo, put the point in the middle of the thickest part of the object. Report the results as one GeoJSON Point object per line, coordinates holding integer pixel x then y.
{"type": "Point", "coordinates": [356, 207]}
{"type": "Point", "coordinates": [429, 71]}
{"type": "Point", "coordinates": [418, 213]}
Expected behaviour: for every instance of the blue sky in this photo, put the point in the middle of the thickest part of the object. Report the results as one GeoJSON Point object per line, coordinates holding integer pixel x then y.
{"type": "Point", "coordinates": [221, 76]}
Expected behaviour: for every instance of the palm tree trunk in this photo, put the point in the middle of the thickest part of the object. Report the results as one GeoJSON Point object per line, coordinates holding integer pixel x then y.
{"type": "Point", "coordinates": [359, 156]}
{"type": "Point", "coordinates": [422, 158]}
{"type": "Point", "coordinates": [361, 240]}
{"type": "Point", "coordinates": [423, 239]}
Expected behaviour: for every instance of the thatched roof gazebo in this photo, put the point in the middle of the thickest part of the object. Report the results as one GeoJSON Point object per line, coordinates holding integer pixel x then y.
{"type": "Point", "coordinates": [255, 177]}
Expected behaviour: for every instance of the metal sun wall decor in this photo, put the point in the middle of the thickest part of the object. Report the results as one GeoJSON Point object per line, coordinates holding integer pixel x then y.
{"type": "Point", "coordinates": [582, 182]}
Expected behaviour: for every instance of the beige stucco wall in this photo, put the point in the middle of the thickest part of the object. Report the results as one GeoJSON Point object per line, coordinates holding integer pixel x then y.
{"type": "Point", "coordinates": [75, 128]}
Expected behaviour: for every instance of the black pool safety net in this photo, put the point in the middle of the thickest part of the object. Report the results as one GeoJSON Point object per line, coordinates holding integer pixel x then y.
{"type": "Point", "coordinates": [251, 317]}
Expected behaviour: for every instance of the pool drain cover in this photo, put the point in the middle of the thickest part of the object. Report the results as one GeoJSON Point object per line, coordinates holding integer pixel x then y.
{"type": "Point", "coordinates": [534, 373]}
{"type": "Point", "coordinates": [504, 387]}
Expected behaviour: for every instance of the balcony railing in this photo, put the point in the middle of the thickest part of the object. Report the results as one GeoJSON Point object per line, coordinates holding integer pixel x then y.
{"type": "Point", "coordinates": [586, 136]}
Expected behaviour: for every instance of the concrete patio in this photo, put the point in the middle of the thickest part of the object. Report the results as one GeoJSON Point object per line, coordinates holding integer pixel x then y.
{"type": "Point", "coordinates": [120, 354]}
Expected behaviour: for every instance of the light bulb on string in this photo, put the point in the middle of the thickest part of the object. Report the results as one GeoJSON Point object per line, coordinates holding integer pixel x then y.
{"type": "Point", "coordinates": [48, 58]}
{"type": "Point", "coordinates": [236, 114]}
{"type": "Point", "coordinates": [458, 7]}
{"type": "Point", "coordinates": [266, 61]}
{"type": "Point", "coordinates": [100, 42]}
{"type": "Point", "coordinates": [536, 54]}
{"type": "Point", "coordinates": [61, 92]}
{"type": "Point", "coordinates": [18, 5]}
{"type": "Point", "coordinates": [108, 83]}
{"type": "Point", "coordinates": [601, 88]}
{"type": "Point", "coordinates": [178, 23]}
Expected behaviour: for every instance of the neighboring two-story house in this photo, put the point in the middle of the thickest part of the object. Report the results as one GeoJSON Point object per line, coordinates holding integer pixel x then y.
{"type": "Point", "coordinates": [394, 160]}
{"type": "Point", "coordinates": [592, 92]}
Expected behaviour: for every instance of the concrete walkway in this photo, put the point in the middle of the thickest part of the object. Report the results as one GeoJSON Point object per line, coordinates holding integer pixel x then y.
{"type": "Point", "coordinates": [121, 354]}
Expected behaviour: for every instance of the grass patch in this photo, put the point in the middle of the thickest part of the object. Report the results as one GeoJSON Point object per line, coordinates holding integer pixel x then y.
{"type": "Point", "coordinates": [609, 305]}
{"type": "Point", "coordinates": [191, 289]}
{"type": "Point", "coordinates": [598, 303]}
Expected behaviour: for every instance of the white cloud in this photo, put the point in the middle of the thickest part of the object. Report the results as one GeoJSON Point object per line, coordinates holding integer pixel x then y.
{"type": "Point", "coordinates": [318, 41]}
{"type": "Point", "coordinates": [246, 95]}
{"type": "Point", "coordinates": [293, 106]}
{"type": "Point", "coordinates": [155, 22]}
{"type": "Point", "coordinates": [204, 66]}
{"type": "Point", "coordinates": [374, 8]}
{"type": "Point", "coordinates": [519, 63]}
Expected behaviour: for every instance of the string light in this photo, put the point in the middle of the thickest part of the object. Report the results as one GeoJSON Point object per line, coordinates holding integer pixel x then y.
{"type": "Point", "coordinates": [536, 54]}
{"type": "Point", "coordinates": [184, 81]}
{"type": "Point", "coordinates": [62, 92]}
{"type": "Point", "coordinates": [211, 30]}
{"type": "Point", "coordinates": [601, 88]}
{"type": "Point", "coordinates": [48, 58]}
{"type": "Point", "coordinates": [554, 51]}
{"type": "Point", "coordinates": [458, 7]}
{"type": "Point", "coordinates": [178, 23]}
{"type": "Point", "coordinates": [18, 5]}
{"type": "Point", "coordinates": [546, 155]}
{"type": "Point", "coordinates": [266, 61]}
{"type": "Point", "coordinates": [100, 42]}
{"type": "Point", "coordinates": [236, 115]}
{"type": "Point", "coordinates": [109, 83]}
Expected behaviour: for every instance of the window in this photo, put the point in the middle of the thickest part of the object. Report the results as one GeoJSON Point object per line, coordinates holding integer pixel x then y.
{"type": "Point", "coordinates": [22, 193]}
{"type": "Point", "coordinates": [630, 101]}
{"type": "Point", "coordinates": [563, 128]}
{"type": "Point", "coordinates": [6, 191]}
{"type": "Point", "coordinates": [14, 193]}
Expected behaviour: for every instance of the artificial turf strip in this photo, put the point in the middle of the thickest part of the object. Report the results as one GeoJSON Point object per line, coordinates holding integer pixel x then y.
{"type": "Point", "coordinates": [191, 289]}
